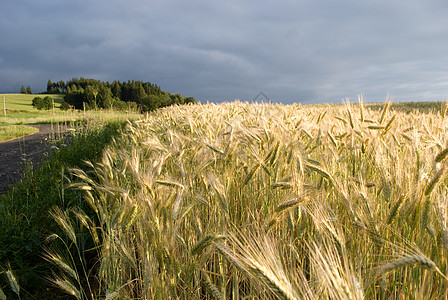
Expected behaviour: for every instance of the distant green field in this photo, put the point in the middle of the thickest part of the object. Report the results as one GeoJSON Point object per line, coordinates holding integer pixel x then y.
{"type": "Point", "coordinates": [411, 107]}
{"type": "Point", "coordinates": [23, 102]}
{"type": "Point", "coordinates": [20, 111]}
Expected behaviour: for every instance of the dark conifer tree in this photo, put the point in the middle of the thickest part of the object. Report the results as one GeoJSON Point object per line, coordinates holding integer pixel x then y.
{"type": "Point", "coordinates": [49, 86]}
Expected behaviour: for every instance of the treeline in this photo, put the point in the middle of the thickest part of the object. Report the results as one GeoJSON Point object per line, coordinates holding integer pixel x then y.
{"type": "Point", "coordinates": [94, 94]}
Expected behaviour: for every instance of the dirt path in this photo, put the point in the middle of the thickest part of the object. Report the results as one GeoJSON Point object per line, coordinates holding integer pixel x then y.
{"type": "Point", "coordinates": [13, 154]}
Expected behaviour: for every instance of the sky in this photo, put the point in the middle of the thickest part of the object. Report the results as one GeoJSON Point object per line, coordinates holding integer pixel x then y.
{"type": "Point", "coordinates": [295, 51]}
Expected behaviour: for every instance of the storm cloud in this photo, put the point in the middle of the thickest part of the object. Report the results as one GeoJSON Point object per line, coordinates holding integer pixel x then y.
{"type": "Point", "coordinates": [293, 51]}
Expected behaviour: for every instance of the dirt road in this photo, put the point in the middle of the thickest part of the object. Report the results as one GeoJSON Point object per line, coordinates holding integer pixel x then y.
{"type": "Point", "coordinates": [14, 154]}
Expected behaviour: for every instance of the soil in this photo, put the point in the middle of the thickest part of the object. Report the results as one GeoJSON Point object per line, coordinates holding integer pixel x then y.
{"type": "Point", "coordinates": [16, 154]}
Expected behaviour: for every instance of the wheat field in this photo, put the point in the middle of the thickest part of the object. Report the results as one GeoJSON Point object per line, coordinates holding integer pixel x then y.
{"type": "Point", "coordinates": [262, 201]}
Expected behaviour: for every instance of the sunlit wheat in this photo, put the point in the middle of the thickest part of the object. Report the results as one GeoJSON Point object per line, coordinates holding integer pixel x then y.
{"type": "Point", "coordinates": [240, 200]}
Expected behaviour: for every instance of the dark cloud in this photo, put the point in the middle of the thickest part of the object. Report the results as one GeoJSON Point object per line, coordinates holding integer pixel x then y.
{"type": "Point", "coordinates": [301, 51]}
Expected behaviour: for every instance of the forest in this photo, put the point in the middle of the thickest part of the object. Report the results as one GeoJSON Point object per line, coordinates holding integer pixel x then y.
{"type": "Point", "coordinates": [95, 94]}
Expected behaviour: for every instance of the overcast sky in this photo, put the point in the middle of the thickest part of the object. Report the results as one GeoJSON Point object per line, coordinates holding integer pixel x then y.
{"type": "Point", "coordinates": [294, 51]}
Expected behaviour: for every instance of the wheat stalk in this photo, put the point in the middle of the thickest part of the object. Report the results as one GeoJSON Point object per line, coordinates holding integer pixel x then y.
{"type": "Point", "coordinates": [13, 283]}
{"type": "Point", "coordinates": [68, 287]}
{"type": "Point", "coordinates": [408, 260]}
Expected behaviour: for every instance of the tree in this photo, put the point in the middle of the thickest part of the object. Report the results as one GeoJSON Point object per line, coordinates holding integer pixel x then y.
{"type": "Point", "coordinates": [65, 106]}
{"type": "Point", "coordinates": [138, 92]}
{"type": "Point", "coordinates": [116, 89]}
{"type": "Point", "coordinates": [153, 102]}
{"type": "Point", "coordinates": [49, 86]}
{"type": "Point", "coordinates": [104, 98]}
{"type": "Point", "coordinates": [118, 95]}
{"type": "Point", "coordinates": [90, 96]}
{"type": "Point", "coordinates": [62, 86]}
{"type": "Point", "coordinates": [75, 98]}
{"type": "Point", "coordinates": [45, 103]}
{"type": "Point", "coordinates": [28, 90]}
{"type": "Point", "coordinates": [190, 100]}
{"type": "Point", "coordinates": [22, 90]}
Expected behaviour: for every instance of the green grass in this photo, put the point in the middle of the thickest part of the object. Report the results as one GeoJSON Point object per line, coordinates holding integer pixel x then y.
{"type": "Point", "coordinates": [15, 131]}
{"type": "Point", "coordinates": [23, 102]}
{"type": "Point", "coordinates": [24, 211]}
{"type": "Point", "coordinates": [24, 218]}
{"type": "Point", "coordinates": [19, 110]}
{"type": "Point", "coordinates": [46, 117]}
{"type": "Point", "coordinates": [29, 115]}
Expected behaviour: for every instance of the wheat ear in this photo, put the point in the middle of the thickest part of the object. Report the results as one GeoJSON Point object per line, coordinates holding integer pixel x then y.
{"type": "Point", "coordinates": [413, 259]}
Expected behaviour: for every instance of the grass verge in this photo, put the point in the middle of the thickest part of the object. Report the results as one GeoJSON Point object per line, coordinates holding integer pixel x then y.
{"type": "Point", "coordinates": [24, 211]}
{"type": "Point", "coordinates": [15, 131]}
